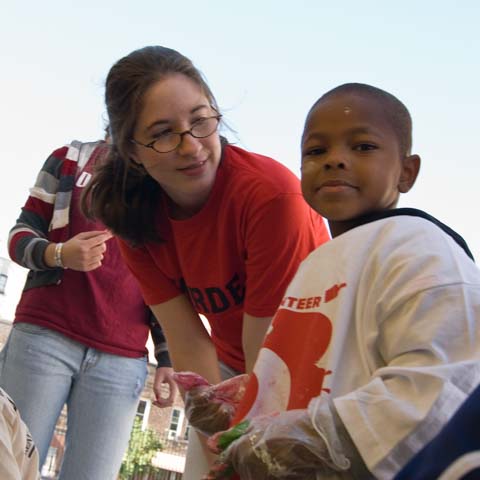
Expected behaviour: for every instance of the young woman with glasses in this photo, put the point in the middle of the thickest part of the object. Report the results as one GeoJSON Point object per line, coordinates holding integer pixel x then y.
{"type": "Point", "coordinates": [206, 227]}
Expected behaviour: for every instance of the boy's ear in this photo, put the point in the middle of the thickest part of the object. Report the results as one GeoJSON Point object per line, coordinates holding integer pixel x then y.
{"type": "Point", "coordinates": [410, 169]}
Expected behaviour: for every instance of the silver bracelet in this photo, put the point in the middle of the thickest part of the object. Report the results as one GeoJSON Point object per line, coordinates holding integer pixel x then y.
{"type": "Point", "coordinates": [58, 255]}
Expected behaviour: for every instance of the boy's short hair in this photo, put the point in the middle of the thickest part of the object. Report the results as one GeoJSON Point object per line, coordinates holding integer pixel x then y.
{"type": "Point", "coordinates": [395, 111]}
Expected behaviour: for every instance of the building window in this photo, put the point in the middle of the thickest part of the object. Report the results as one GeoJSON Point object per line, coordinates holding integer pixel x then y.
{"type": "Point", "coordinates": [143, 411]}
{"type": "Point", "coordinates": [175, 423]}
{"type": "Point", "coordinates": [50, 462]}
{"type": "Point", "coordinates": [3, 282]}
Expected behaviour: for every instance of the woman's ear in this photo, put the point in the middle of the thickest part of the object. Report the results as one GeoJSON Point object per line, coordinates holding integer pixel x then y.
{"type": "Point", "coordinates": [134, 160]}
{"type": "Point", "coordinates": [410, 169]}
{"type": "Point", "coordinates": [133, 155]}
{"type": "Point", "coordinates": [135, 164]}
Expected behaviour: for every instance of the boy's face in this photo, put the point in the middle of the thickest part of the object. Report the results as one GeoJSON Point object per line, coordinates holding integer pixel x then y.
{"type": "Point", "coordinates": [351, 160]}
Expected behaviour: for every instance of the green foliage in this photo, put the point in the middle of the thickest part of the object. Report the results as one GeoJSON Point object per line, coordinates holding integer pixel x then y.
{"type": "Point", "coordinates": [142, 447]}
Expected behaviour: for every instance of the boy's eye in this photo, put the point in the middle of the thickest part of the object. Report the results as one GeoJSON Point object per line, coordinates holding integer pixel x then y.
{"type": "Point", "coordinates": [314, 151]}
{"type": "Point", "coordinates": [364, 147]}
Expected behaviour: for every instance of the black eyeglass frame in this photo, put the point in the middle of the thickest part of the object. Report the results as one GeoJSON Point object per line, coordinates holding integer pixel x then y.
{"type": "Point", "coordinates": [181, 135]}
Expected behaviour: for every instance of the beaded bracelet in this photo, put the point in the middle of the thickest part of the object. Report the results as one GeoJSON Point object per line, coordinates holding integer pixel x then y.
{"type": "Point", "coordinates": [58, 255]}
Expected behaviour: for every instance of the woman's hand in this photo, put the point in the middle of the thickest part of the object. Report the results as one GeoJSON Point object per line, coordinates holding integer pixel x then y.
{"type": "Point", "coordinates": [83, 252]}
{"type": "Point", "coordinates": [210, 408]}
{"type": "Point", "coordinates": [164, 377]}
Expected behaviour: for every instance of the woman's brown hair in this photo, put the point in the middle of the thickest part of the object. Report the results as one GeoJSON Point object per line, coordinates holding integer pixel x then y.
{"type": "Point", "coordinates": [121, 194]}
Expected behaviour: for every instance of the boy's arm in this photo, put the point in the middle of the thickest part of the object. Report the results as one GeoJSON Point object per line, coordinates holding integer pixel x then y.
{"type": "Point", "coordinates": [430, 345]}
{"type": "Point", "coordinates": [417, 330]}
{"type": "Point", "coordinates": [310, 441]}
{"type": "Point", "coordinates": [337, 437]}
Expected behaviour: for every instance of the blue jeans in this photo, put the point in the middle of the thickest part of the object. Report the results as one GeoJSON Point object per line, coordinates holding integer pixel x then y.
{"type": "Point", "coordinates": [42, 370]}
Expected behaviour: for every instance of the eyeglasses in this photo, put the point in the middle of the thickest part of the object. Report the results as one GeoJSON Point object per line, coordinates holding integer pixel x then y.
{"type": "Point", "coordinates": [169, 141]}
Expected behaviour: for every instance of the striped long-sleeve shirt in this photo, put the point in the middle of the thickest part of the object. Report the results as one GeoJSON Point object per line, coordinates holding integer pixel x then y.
{"type": "Point", "coordinates": [45, 216]}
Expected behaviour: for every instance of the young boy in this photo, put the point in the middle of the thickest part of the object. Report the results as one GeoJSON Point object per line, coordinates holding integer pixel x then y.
{"type": "Point", "coordinates": [377, 340]}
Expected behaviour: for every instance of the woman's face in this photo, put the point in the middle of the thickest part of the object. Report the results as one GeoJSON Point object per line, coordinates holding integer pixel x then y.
{"type": "Point", "coordinates": [186, 174]}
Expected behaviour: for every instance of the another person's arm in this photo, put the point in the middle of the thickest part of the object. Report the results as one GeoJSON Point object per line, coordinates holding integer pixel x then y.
{"type": "Point", "coordinates": [253, 333]}
{"type": "Point", "coordinates": [189, 343]}
{"type": "Point", "coordinates": [83, 252]}
{"type": "Point", "coordinates": [29, 237]}
{"type": "Point", "coordinates": [190, 347]}
{"type": "Point", "coordinates": [30, 243]}
{"type": "Point", "coordinates": [164, 373]}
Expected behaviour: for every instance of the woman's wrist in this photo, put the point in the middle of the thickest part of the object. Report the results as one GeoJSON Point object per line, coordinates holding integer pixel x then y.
{"type": "Point", "coordinates": [53, 255]}
{"type": "Point", "coordinates": [58, 255]}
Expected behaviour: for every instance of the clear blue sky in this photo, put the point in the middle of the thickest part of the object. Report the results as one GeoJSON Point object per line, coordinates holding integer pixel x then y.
{"type": "Point", "coordinates": [266, 61]}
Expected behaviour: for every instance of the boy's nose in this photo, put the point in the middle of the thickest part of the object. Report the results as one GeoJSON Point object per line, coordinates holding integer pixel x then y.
{"type": "Point", "coordinates": [335, 160]}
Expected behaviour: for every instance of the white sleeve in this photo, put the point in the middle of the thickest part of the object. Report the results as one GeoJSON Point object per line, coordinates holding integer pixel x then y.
{"type": "Point", "coordinates": [423, 325]}
{"type": "Point", "coordinates": [18, 454]}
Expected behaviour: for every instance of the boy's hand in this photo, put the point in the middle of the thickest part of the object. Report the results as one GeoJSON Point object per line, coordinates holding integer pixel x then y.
{"type": "Point", "coordinates": [279, 446]}
{"type": "Point", "coordinates": [210, 408]}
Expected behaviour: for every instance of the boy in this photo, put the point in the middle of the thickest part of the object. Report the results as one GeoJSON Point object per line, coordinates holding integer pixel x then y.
{"type": "Point", "coordinates": [369, 355]}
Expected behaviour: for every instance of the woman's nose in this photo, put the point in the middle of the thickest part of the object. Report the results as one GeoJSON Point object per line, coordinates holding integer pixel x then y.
{"type": "Point", "coordinates": [189, 145]}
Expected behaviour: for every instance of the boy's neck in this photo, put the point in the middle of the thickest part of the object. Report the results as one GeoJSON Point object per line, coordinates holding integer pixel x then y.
{"type": "Point", "coordinates": [337, 228]}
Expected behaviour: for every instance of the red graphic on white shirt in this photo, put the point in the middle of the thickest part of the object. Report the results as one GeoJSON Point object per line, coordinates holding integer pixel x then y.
{"type": "Point", "coordinates": [288, 372]}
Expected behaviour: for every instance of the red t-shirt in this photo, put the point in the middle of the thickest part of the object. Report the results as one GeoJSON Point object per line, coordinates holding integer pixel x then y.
{"type": "Point", "coordinates": [103, 308]}
{"type": "Point", "coordinates": [236, 255]}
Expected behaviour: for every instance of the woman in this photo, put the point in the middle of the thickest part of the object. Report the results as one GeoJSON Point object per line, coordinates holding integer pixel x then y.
{"type": "Point", "coordinates": [206, 227]}
{"type": "Point", "coordinates": [81, 324]}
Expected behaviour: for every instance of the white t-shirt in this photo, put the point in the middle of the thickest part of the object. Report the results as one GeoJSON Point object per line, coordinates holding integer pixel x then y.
{"type": "Point", "coordinates": [384, 320]}
{"type": "Point", "coordinates": [18, 454]}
